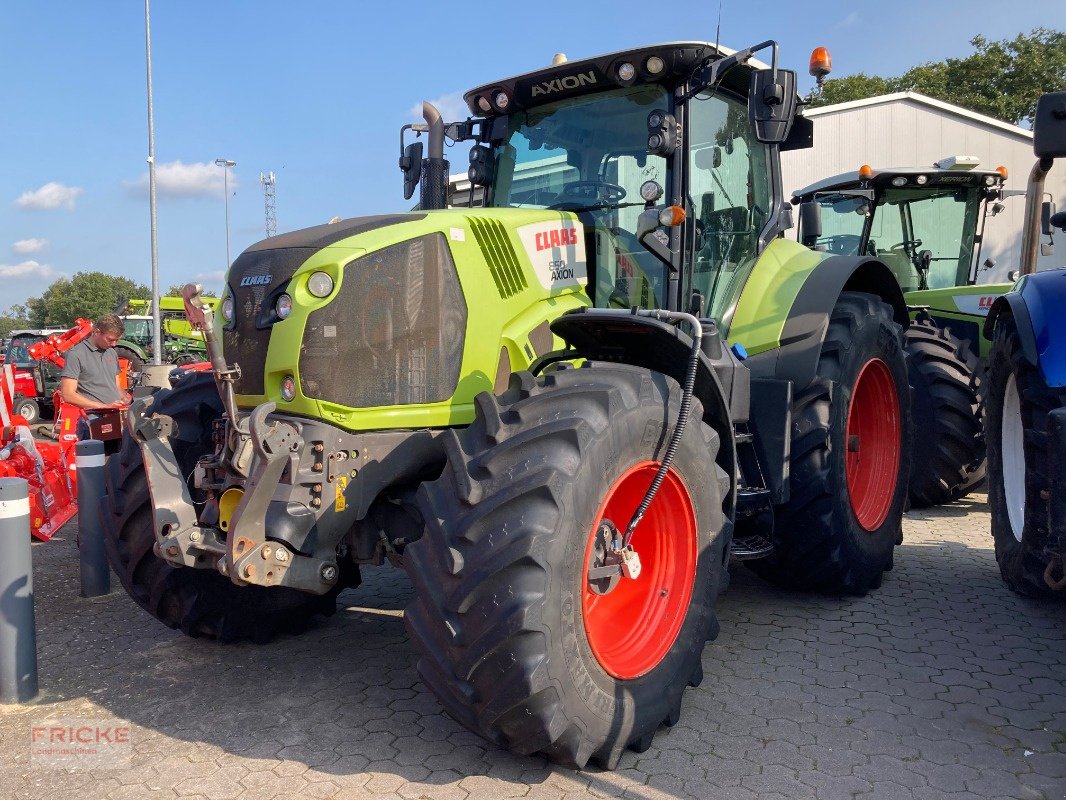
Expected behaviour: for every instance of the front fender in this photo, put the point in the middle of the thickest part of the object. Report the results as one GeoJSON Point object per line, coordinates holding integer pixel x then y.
{"type": "Point", "coordinates": [643, 342]}
{"type": "Point", "coordinates": [1038, 305]}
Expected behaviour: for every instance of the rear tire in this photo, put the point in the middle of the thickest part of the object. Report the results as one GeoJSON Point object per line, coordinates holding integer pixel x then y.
{"type": "Point", "coordinates": [837, 532]}
{"type": "Point", "coordinates": [199, 602]}
{"type": "Point", "coordinates": [946, 402]}
{"type": "Point", "coordinates": [512, 640]}
{"type": "Point", "coordinates": [1019, 401]}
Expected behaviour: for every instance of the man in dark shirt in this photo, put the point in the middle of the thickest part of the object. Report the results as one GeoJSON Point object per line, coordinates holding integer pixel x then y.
{"type": "Point", "coordinates": [90, 377]}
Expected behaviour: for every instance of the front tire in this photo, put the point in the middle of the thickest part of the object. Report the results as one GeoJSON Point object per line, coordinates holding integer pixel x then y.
{"type": "Point", "coordinates": [851, 430]}
{"type": "Point", "coordinates": [946, 401]}
{"type": "Point", "coordinates": [199, 602]}
{"type": "Point", "coordinates": [514, 640]}
{"type": "Point", "coordinates": [1019, 401]}
{"type": "Point", "coordinates": [28, 409]}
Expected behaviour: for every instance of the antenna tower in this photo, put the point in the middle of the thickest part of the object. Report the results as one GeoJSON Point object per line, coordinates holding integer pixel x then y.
{"type": "Point", "coordinates": [270, 202]}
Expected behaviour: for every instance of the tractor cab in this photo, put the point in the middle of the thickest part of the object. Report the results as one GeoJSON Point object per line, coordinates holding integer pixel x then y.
{"type": "Point", "coordinates": [685, 131]}
{"type": "Point", "coordinates": [926, 224]}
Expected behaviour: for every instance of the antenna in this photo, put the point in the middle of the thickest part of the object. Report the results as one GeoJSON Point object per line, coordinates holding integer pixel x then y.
{"type": "Point", "coordinates": [270, 202]}
{"type": "Point", "coordinates": [718, 29]}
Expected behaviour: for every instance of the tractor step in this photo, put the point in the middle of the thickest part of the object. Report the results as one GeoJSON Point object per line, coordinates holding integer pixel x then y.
{"type": "Point", "coordinates": [748, 496]}
{"type": "Point", "coordinates": [751, 546]}
{"type": "Point", "coordinates": [743, 438]}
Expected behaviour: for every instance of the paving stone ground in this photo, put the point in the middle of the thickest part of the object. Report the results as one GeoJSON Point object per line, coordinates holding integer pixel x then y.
{"type": "Point", "coordinates": [942, 684]}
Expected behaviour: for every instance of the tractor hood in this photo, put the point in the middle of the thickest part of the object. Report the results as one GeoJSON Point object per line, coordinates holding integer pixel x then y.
{"type": "Point", "coordinates": [393, 327]}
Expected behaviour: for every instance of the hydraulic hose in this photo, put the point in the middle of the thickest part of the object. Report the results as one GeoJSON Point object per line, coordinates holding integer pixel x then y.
{"type": "Point", "coordinates": [682, 415]}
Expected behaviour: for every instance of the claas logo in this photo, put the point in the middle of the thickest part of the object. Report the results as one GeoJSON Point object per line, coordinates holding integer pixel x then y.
{"type": "Point", "coordinates": [560, 237]}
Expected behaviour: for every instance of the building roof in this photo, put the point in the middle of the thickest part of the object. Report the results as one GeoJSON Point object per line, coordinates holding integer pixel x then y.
{"type": "Point", "coordinates": [925, 100]}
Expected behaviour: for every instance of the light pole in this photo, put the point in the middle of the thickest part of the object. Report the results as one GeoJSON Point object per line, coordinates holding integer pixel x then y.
{"type": "Point", "coordinates": [157, 336]}
{"type": "Point", "coordinates": [226, 163]}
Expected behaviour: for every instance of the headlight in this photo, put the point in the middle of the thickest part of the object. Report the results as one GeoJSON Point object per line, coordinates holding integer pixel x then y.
{"type": "Point", "coordinates": [654, 65]}
{"type": "Point", "coordinates": [320, 284]}
{"type": "Point", "coordinates": [502, 101]}
{"type": "Point", "coordinates": [283, 307]}
{"type": "Point", "coordinates": [899, 180]}
{"type": "Point", "coordinates": [288, 388]}
{"type": "Point", "coordinates": [227, 309]}
{"type": "Point", "coordinates": [626, 71]}
{"type": "Point", "coordinates": [922, 180]}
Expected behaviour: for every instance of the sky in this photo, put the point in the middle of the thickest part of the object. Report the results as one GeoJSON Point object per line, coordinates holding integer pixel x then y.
{"type": "Point", "coordinates": [316, 92]}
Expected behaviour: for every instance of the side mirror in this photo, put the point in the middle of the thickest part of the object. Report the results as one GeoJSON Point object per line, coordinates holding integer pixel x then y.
{"type": "Point", "coordinates": [1047, 248]}
{"type": "Point", "coordinates": [810, 223]}
{"type": "Point", "coordinates": [411, 166]}
{"type": "Point", "coordinates": [989, 263]}
{"type": "Point", "coordinates": [772, 104]}
{"type": "Point", "coordinates": [1046, 210]}
{"type": "Point", "coordinates": [1058, 221]}
{"type": "Point", "coordinates": [1049, 126]}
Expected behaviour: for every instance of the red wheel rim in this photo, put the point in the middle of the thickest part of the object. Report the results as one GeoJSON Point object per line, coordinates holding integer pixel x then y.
{"type": "Point", "coordinates": [873, 446]}
{"type": "Point", "coordinates": [632, 627]}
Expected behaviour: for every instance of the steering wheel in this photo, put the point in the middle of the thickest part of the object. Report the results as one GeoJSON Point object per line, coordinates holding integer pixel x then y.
{"type": "Point", "coordinates": [909, 244]}
{"type": "Point", "coordinates": [588, 192]}
{"type": "Point", "coordinates": [843, 243]}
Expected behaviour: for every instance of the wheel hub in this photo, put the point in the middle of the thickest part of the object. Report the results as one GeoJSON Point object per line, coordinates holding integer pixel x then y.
{"type": "Point", "coordinates": [633, 607]}
{"type": "Point", "coordinates": [872, 455]}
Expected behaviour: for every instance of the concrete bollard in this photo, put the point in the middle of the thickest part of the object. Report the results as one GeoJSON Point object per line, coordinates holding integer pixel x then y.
{"type": "Point", "coordinates": [95, 573]}
{"type": "Point", "coordinates": [18, 629]}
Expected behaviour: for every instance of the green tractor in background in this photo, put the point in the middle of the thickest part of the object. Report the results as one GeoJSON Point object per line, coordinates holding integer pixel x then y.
{"type": "Point", "coordinates": [927, 225]}
{"type": "Point", "coordinates": [561, 413]}
{"type": "Point", "coordinates": [181, 344]}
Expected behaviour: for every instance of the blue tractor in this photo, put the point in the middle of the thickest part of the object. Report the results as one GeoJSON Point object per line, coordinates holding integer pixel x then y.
{"type": "Point", "coordinates": [1026, 405]}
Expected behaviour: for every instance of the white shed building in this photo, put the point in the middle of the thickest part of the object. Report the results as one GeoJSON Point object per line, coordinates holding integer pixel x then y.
{"type": "Point", "coordinates": [908, 129]}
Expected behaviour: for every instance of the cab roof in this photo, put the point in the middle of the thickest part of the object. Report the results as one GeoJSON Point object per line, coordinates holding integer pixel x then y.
{"type": "Point", "coordinates": [570, 78]}
{"type": "Point", "coordinates": [883, 177]}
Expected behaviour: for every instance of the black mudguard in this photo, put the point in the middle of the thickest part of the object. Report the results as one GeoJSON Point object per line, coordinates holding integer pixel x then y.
{"type": "Point", "coordinates": [644, 342]}
{"type": "Point", "coordinates": [796, 360]}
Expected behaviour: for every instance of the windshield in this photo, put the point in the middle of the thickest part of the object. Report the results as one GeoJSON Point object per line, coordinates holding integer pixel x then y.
{"type": "Point", "coordinates": [137, 328]}
{"type": "Point", "coordinates": [906, 223]}
{"type": "Point", "coordinates": [589, 155]}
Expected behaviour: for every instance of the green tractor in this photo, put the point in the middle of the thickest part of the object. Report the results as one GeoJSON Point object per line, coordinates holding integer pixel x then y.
{"type": "Point", "coordinates": [561, 413]}
{"type": "Point", "coordinates": [181, 344]}
{"type": "Point", "coordinates": [927, 225]}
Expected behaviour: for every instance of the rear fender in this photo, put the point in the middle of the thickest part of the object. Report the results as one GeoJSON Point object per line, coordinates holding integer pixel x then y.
{"type": "Point", "coordinates": [796, 360]}
{"type": "Point", "coordinates": [657, 346]}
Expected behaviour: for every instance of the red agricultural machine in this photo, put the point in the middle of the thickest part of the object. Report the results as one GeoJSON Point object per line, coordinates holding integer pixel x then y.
{"type": "Point", "coordinates": [48, 466]}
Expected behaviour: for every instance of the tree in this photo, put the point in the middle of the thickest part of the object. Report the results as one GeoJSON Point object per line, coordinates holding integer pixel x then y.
{"type": "Point", "coordinates": [175, 291]}
{"type": "Point", "coordinates": [18, 316]}
{"type": "Point", "coordinates": [87, 294]}
{"type": "Point", "coordinates": [1002, 79]}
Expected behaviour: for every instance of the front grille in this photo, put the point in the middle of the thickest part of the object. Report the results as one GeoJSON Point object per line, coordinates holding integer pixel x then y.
{"type": "Point", "coordinates": [245, 343]}
{"type": "Point", "coordinates": [394, 333]}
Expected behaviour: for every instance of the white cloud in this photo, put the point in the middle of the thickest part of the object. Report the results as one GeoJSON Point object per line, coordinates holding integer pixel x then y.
{"type": "Point", "coordinates": [27, 246]}
{"type": "Point", "coordinates": [451, 106]}
{"type": "Point", "coordinates": [27, 269]}
{"type": "Point", "coordinates": [210, 279]}
{"type": "Point", "coordinates": [51, 195]}
{"type": "Point", "coordinates": [849, 20]}
{"type": "Point", "coordinates": [178, 179]}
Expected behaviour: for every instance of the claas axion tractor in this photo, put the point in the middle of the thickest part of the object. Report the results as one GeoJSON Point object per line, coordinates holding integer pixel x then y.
{"type": "Point", "coordinates": [561, 412]}
{"type": "Point", "coordinates": [927, 224]}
